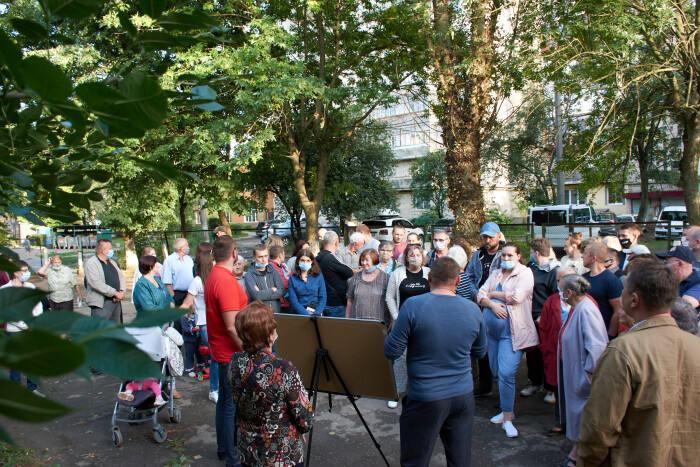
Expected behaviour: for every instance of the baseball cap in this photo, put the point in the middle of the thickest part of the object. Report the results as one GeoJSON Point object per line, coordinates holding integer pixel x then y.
{"type": "Point", "coordinates": [490, 229]}
{"type": "Point", "coordinates": [637, 250]}
{"type": "Point", "coordinates": [683, 253]}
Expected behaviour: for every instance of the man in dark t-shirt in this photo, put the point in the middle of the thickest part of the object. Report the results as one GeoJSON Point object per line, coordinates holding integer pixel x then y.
{"type": "Point", "coordinates": [335, 274]}
{"type": "Point", "coordinates": [606, 288]}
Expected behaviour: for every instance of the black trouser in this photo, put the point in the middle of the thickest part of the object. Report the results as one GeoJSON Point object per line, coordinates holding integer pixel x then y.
{"type": "Point", "coordinates": [61, 306]}
{"type": "Point", "coordinates": [179, 296]}
{"type": "Point", "coordinates": [535, 366]}
{"type": "Point", "coordinates": [485, 375]}
{"type": "Point", "coordinates": [421, 423]}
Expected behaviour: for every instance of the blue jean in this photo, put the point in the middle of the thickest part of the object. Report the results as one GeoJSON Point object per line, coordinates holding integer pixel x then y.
{"type": "Point", "coordinates": [337, 311]}
{"type": "Point", "coordinates": [226, 420]}
{"type": "Point", "coordinates": [503, 359]}
{"type": "Point", "coordinates": [213, 366]}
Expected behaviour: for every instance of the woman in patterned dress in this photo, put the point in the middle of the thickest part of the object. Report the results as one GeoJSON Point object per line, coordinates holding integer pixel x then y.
{"type": "Point", "coordinates": [272, 407]}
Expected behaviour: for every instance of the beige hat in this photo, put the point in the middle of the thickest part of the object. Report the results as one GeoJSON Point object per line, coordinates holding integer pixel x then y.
{"type": "Point", "coordinates": [612, 242]}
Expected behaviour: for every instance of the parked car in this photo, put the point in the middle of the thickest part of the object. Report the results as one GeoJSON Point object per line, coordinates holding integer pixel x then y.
{"type": "Point", "coordinates": [676, 216]}
{"type": "Point", "coordinates": [625, 218]}
{"type": "Point", "coordinates": [381, 227]}
{"type": "Point", "coordinates": [263, 226]}
{"type": "Point", "coordinates": [284, 230]}
{"type": "Point", "coordinates": [607, 218]}
{"type": "Point", "coordinates": [444, 223]}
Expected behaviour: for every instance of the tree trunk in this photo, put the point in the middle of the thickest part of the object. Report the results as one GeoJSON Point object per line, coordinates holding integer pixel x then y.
{"type": "Point", "coordinates": [132, 260]}
{"type": "Point", "coordinates": [182, 202]}
{"type": "Point", "coordinates": [224, 222]}
{"type": "Point", "coordinates": [644, 191]}
{"type": "Point", "coordinates": [689, 167]}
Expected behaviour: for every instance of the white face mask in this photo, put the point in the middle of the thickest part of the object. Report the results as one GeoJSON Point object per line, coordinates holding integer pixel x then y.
{"type": "Point", "coordinates": [415, 262]}
{"type": "Point", "coordinates": [24, 277]}
{"type": "Point", "coordinates": [275, 338]}
{"type": "Point", "coordinates": [439, 245]}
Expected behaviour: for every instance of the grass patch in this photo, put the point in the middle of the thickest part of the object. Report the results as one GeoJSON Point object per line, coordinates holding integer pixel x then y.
{"type": "Point", "coordinates": [16, 455]}
{"type": "Point", "coordinates": [182, 461]}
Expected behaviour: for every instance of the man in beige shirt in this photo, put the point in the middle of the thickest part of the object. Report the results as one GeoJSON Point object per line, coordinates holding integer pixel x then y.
{"type": "Point", "coordinates": [645, 395]}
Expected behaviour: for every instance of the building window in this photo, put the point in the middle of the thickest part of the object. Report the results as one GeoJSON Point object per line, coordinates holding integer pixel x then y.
{"type": "Point", "coordinates": [572, 197]}
{"type": "Point", "coordinates": [418, 204]}
{"type": "Point", "coordinates": [251, 217]}
{"type": "Point", "coordinates": [612, 198]}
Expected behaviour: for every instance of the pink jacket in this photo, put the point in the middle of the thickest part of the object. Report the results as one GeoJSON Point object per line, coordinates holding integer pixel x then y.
{"type": "Point", "coordinates": [518, 288]}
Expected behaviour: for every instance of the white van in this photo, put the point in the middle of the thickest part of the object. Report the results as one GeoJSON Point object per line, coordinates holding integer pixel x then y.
{"type": "Point", "coordinates": [561, 214]}
{"type": "Point", "coordinates": [677, 216]}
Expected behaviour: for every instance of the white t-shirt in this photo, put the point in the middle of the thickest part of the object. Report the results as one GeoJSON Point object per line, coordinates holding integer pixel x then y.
{"type": "Point", "coordinates": [200, 309]}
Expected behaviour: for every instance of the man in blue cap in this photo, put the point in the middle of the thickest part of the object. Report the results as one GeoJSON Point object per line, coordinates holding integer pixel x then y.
{"type": "Point", "coordinates": [483, 261]}
{"type": "Point", "coordinates": [680, 260]}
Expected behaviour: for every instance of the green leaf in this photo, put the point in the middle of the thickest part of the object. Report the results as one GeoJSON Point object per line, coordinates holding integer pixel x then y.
{"type": "Point", "coordinates": [56, 322]}
{"type": "Point", "coordinates": [41, 353]}
{"type": "Point", "coordinates": [91, 327]}
{"type": "Point", "coordinates": [17, 303]}
{"type": "Point", "coordinates": [20, 403]}
{"type": "Point", "coordinates": [176, 21]}
{"type": "Point", "coordinates": [164, 172]}
{"type": "Point", "coordinates": [153, 8]}
{"type": "Point", "coordinates": [47, 80]}
{"type": "Point", "coordinates": [9, 253]}
{"type": "Point", "coordinates": [30, 29]}
{"type": "Point", "coordinates": [76, 9]}
{"type": "Point", "coordinates": [204, 92]}
{"type": "Point", "coordinates": [99, 175]}
{"type": "Point", "coordinates": [4, 436]}
{"type": "Point", "coordinates": [10, 55]}
{"type": "Point", "coordinates": [8, 266]}
{"type": "Point", "coordinates": [120, 359]}
{"type": "Point", "coordinates": [126, 23]}
{"type": "Point", "coordinates": [211, 106]}
{"type": "Point", "coordinates": [146, 319]}
{"type": "Point", "coordinates": [145, 105]}
{"type": "Point", "coordinates": [61, 39]}
{"type": "Point", "coordinates": [159, 40]}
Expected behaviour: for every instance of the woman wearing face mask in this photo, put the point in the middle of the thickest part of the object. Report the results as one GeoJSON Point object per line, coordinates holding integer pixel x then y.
{"type": "Point", "coordinates": [21, 279]}
{"type": "Point", "coordinates": [272, 407]}
{"type": "Point", "coordinates": [554, 313]}
{"type": "Point", "coordinates": [367, 290]}
{"type": "Point", "coordinates": [150, 292]}
{"type": "Point", "coordinates": [582, 339]}
{"type": "Point", "coordinates": [307, 288]}
{"type": "Point", "coordinates": [61, 283]}
{"type": "Point", "coordinates": [405, 282]}
{"type": "Point", "coordinates": [506, 298]}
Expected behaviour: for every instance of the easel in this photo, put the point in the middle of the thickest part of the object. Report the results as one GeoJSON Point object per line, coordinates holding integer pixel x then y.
{"type": "Point", "coordinates": [324, 358]}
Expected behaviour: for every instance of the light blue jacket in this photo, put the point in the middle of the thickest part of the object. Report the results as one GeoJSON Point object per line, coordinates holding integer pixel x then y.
{"type": "Point", "coordinates": [303, 294]}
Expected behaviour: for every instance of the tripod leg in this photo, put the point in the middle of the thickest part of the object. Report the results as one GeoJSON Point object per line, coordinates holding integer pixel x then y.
{"type": "Point", "coordinates": [314, 385]}
{"type": "Point", "coordinates": [359, 414]}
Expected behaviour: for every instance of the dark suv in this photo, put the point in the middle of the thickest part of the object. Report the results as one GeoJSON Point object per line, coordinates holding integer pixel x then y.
{"type": "Point", "coordinates": [263, 226]}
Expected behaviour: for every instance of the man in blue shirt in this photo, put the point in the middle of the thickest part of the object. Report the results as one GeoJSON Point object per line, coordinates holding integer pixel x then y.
{"type": "Point", "coordinates": [177, 273]}
{"type": "Point", "coordinates": [441, 332]}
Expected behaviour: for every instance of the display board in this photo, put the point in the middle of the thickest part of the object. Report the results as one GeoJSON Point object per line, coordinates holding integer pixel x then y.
{"type": "Point", "coordinates": [356, 347]}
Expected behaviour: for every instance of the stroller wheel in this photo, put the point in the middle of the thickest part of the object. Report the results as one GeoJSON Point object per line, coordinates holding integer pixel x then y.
{"type": "Point", "coordinates": [200, 377]}
{"type": "Point", "coordinates": [160, 434]}
{"type": "Point", "coordinates": [117, 438]}
{"type": "Point", "coordinates": [177, 416]}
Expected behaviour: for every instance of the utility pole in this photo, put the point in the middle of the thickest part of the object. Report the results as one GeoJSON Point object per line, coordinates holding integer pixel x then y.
{"type": "Point", "coordinates": [559, 147]}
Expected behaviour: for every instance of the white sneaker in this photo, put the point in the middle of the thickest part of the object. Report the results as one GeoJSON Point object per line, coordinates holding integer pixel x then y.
{"type": "Point", "coordinates": [530, 390]}
{"type": "Point", "coordinates": [498, 419]}
{"type": "Point", "coordinates": [38, 394]}
{"type": "Point", "coordinates": [159, 401]}
{"type": "Point", "coordinates": [192, 374]}
{"type": "Point", "coordinates": [550, 398]}
{"type": "Point", "coordinates": [214, 396]}
{"type": "Point", "coordinates": [392, 404]}
{"type": "Point", "coordinates": [510, 430]}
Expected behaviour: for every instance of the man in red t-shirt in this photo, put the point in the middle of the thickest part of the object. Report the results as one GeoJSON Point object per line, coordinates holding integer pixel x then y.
{"type": "Point", "coordinates": [224, 299]}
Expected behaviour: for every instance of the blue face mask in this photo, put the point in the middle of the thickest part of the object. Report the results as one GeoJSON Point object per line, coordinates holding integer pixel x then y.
{"type": "Point", "coordinates": [532, 258]}
{"type": "Point", "coordinates": [56, 268]}
{"type": "Point", "coordinates": [304, 266]}
{"type": "Point", "coordinates": [25, 276]}
{"type": "Point", "coordinates": [507, 265]}
{"type": "Point", "coordinates": [110, 253]}
{"type": "Point", "coordinates": [371, 269]}
{"type": "Point", "coordinates": [260, 266]}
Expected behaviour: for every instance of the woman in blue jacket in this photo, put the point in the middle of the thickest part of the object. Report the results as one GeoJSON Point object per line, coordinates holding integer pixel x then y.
{"type": "Point", "coordinates": [307, 289]}
{"type": "Point", "coordinates": [149, 291]}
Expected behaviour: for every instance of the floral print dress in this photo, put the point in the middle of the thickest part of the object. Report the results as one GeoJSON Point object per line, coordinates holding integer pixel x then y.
{"type": "Point", "coordinates": [272, 409]}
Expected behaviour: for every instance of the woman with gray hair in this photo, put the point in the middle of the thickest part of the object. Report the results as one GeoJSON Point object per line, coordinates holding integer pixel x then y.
{"type": "Point", "coordinates": [582, 339]}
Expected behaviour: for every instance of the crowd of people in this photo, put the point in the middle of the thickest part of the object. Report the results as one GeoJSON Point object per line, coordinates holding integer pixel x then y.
{"type": "Point", "coordinates": [605, 331]}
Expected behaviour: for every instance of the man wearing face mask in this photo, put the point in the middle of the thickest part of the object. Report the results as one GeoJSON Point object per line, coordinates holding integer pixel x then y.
{"type": "Point", "coordinates": [680, 261]}
{"type": "Point", "coordinates": [262, 282]}
{"type": "Point", "coordinates": [441, 241]}
{"type": "Point", "coordinates": [105, 283]}
{"type": "Point", "coordinates": [177, 271]}
{"type": "Point", "coordinates": [629, 237]}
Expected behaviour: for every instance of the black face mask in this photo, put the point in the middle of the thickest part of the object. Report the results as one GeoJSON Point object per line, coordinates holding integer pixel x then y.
{"type": "Point", "coordinates": [626, 243]}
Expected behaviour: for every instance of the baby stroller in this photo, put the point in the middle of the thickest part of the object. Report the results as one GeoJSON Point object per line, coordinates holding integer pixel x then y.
{"type": "Point", "coordinates": [162, 347]}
